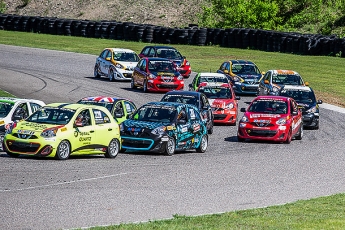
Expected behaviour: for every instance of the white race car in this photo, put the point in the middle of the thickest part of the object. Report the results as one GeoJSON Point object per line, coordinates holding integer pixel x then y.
{"type": "Point", "coordinates": [116, 64]}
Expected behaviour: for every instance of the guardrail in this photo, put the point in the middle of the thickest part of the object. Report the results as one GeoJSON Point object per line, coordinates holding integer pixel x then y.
{"type": "Point", "coordinates": [266, 40]}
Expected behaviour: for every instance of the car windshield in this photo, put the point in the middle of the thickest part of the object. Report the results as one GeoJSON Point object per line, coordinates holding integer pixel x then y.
{"type": "Point", "coordinates": [161, 66]}
{"type": "Point", "coordinates": [56, 116]}
{"type": "Point", "coordinates": [5, 108]}
{"type": "Point", "coordinates": [214, 79]}
{"type": "Point", "coordinates": [185, 99]}
{"type": "Point", "coordinates": [300, 96]}
{"type": "Point", "coordinates": [268, 106]}
{"type": "Point", "coordinates": [126, 57]}
{"type": "Point", "coordinates": [165, 114]}
{"type": "Point", "coordinates": [107, 105]}
{"type": "Point", "coordinates": [216, 92]}
{"type": "Point", "coordinates": [169, 53]}
{"type": "Point", "coordinates": [287, 79]}
{"type": "Point", "coordinates": [245, 69]}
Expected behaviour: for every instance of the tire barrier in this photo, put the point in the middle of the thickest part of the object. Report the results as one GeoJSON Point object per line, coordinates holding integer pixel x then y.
{"type": "Point", "coordinates": [243, 38]}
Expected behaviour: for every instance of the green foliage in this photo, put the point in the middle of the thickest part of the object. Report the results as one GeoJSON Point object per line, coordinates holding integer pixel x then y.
{"type": "Point", "coordinates": [2, 7]}
{"type": "Point", "coordinates": [308, 16]}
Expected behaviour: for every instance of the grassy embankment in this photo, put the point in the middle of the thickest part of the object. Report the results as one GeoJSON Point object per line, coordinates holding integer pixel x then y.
{"type": "Point", "coordinates": [325, 75]}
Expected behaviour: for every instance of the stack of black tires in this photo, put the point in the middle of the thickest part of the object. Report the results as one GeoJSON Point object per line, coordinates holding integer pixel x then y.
{"type": "Point", "coordinates": [244, 38]}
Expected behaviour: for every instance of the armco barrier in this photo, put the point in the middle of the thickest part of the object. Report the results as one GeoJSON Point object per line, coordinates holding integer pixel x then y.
{"type": "Point", "coordinates": [244, 38]}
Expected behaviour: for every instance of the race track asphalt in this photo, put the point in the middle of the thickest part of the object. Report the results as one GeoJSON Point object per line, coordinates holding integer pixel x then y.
{"type": "Point", "coordinates": [90, 191]}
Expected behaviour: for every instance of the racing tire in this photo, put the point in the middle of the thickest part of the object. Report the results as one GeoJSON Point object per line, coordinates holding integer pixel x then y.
{"type": "Point", "coordinates": [300, 133]}
{"type": "Point", "coordinates": [145, 87]}
{"type": "Point", "coordinates": [95, 72]}
{"type": "Point", "coordinates": [132, 84]}
{"type": "Point", "coordinates": [63, 151]}
{"type": "Point", "coordinates": [289, 137]}
{"type": "Point", "coordinates": [170, 147]}
{"type": "Point", "coordinates": [240, 139]}
{"type": "Point", "coordinates": [111, 75]}
{"type": "Point", "coordinates": [113, 148]}
{"type": "Point", "coordinates": [203, 144]}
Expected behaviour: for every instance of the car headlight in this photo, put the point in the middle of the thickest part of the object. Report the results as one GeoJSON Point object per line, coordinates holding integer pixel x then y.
{"type": "Point", "coordinates": [281, 121]}
{"type": "Point", "coordinates": [312, 110]}
{"type": "Point", "coordinates": [236, 79]}
{"type": "Point", "coordinates": [275, 89]}
{"type": "Point", "coordinates": [229, 106]}
{"type": "Point", "coordinates": [244, 119]}
{"type": "Point", "coordinates": [187, 63]}
{"type": "Point", "coordinates": [152, 76]}
{"type": "Point", "coordinates": [180, 77]}
{"type": "Point", "coordinates": [119, 66]}
{"type": "Point", "coordinates": [159, 130]}
{"type": "Point", "coordinates": [50, 132]}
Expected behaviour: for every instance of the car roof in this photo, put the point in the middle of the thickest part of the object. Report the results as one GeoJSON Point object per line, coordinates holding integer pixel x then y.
{"type": "Point", "coordinates": [13, 100]}
{"type": "Point", "coordinates": [184, 92]}
{"type": "Point", "coordinates": [242, 62]}
{"type": "Point", "coordinates": [101, 99]}
{"type": "Point", "coordinates": [206, 74]}
{"type": "Point", "coordinates": [121, 50]}
{"type": "Point", "coordinates": [157, 59]}
{"type": "Point", "coordinates": [296, 87]}
{"type": "Point", "coordinates": [172, 104]}
{"type": "Point", "coordinates": [271, 97]}
{"type": "Point", "coordinates": [161, 47]}
{"type": "Point", "coordinates": [73, 106]}
{"type": "Point", "coordinates": [284, 71]}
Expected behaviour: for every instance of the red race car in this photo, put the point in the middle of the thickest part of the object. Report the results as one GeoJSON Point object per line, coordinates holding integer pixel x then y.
{"type": "Point", "coordinates": [271, 118]}
{"type": "Point", "coordinates": [223, 101]}
{"type": "Point", "coordinates": [157, 74]}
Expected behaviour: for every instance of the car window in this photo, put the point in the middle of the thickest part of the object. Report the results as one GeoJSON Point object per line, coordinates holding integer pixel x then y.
{"type": "Point", "coordinates": [34, 106]}
{"type": "Point", "coordinates": [83, 118]}
{"type": "Point", "coordinates": [50, 115]}
{"type": "Point", "coordinates": [155, 114]}
{"type": "Point", "coordinates": [268, 106]}
{"type": "Point", "coordinates": [151, 52]}
{"type": "Point", "coordinates": [100, 117]}
{"type": "Point", "coordinates": [119, 109]}
{"type": "Point", "coordinates": [223, 66]}
{"type": "Point", "coordinates": [130, 108]}
{"type": "Point", "coordinates": [193, 114]}
{"type": "Point", "coordinates": [21, 111]}
{"type": "Point", "coordinates": [267, 76]}
{"type": "Point", "coordinates": [5, 108]}
{"type": "Point", "coordinates": [108, 54]}
{"type": "Point", "coordinates": [103, 54]}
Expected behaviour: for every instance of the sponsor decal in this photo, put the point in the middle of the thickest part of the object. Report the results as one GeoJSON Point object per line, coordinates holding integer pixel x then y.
{"type": "Point", "coordinates": [258, 115]}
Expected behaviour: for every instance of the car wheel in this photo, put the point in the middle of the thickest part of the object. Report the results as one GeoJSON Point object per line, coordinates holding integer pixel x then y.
{"type": "Point", "coordinates": [240, 139]}
{"type": "Point", "coordinates": [113, 148]}
{"type": "Point", "coordinates": [63, 150]}
{"type": "Point", "coordinates": [203, 144]}
{"type": "Point", "coordinates": [145, 86]}
{"type": "Point", "coordinates": [289, 137]}
{"type": "Point", "coordinates": [96, 71]}
{"type": "Point", "coordinates": [300, 133]}
{"type": "Point", "coordinates": [111, 75]}
{"type": "Point", "coordinates": [170, 147]}
{"type": "Point", "coordinates": [132, 84]}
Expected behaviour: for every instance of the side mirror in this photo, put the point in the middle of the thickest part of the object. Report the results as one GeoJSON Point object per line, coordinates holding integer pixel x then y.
{"type": "Point", "coordinates": [107, 58]}
{"type": "Point", "coordinates": [266, 82]}
{"type": "Point", "coordinates": [237, 97]}
{"type": "Point", "coordinates": [226, 71]}
{"type": "Point", "coordinates": [118, 115]}
{"type": "Point", "coordinates": [319, 102]}
{"type": "Point", "coordinates": [243, 110]}
{"type": "Point", "coordinates": [294, 113]}
{"type": "Point", "coordinates": [306, 83]}
{"type": "Point", "coordinates": [181, 122]}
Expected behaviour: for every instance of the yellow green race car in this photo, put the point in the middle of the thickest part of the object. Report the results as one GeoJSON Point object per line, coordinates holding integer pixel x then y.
{"type": "Point", "coordinates": [61, 129]}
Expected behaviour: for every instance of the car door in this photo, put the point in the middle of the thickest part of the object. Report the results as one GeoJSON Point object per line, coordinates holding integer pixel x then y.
{"type": "Point", "coordinates": [106, 63]}
{"type": "Point", "coordinates": [101, 60]}
{"type": "Point", "coordinates": [138, 72]}
{"type": "Point", "coordinates": [263, 88]}
{"type": "Point", "coordinates": [296, 115]}
{"type": "Point", "coordinates": [119, 112]}
{"type": "Point", "coordinates": [103, 128]}
{"type": "Point", "coordinates": [129, 108]}
{"type": "Point", "coordinates": [197, 127]}
{"type": "Point", "coordinates": [85, 132]}
{"type": "Point", "coordinates": [206, 110]}
{"type": "Point", "coordinates": [183, 127]}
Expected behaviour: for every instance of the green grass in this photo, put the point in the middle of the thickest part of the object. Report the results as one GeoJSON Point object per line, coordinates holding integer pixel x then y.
{"type": "Point", "coordinates": [325, 74]}
{"type": "Point", "coordinates": [319, 213]}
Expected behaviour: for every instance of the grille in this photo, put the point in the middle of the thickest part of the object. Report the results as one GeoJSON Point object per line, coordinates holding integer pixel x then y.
{"type": "Point", "coordinates": [136, 143]}
{"type": "Point", "coordinates": [167, 86]}
{"type": "Point", "coordinates": [261, 124]}
{"type": "Point", "coordinates": [261, 133]}
{"type": "Point", "coordinates": [23, 147]}
{"type": "Point", "coordinates": [25, 136]}
{"type": "Point", "coordinates": [219, 116]}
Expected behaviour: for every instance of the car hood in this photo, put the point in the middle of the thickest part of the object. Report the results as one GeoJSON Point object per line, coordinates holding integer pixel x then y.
{"type": "Point", "coordinates": [128, 64]}
{"type": "Point", "coordinates": [220, 103]}
{"type": "Point", "coordinates": [30, 127]}
{"type": "Point", "coordinates": [165, 74]}
{"type": "Point", "coordinates": [134, 124]}
{"type": "Point", "coordinates": [305, 106]}
{"type": "Point", "coordinates": [250, 76]}
{"type": "Point", "coordinates": [262, 117]}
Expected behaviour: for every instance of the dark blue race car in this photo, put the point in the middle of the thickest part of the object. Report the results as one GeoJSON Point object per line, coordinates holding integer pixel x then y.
{"type": "Point", "coordinates": [164, 127]}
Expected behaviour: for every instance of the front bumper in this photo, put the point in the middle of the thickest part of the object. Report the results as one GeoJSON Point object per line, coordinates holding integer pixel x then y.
{"type": "Point", "coordinates": [277, 133]}
{"type": "Point", "coordinates": [155, 144]}
{"type": "Point", "coordinates": [224, 117]}
{"type": "Point", "coordinates": [246, 89]}
{"type": "Point", "coordinates": [164, 86]}
{"type": "Point", "coordinates": [310, 120]}
{"type": "Point", "coordinates": [123, 75]}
